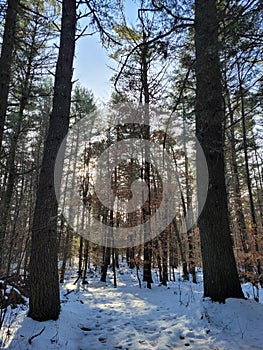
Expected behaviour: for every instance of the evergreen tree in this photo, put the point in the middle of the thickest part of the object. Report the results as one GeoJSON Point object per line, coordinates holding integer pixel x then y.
{"type": "Point", "coordinates": [219, 267]}
{"type": "Point", "coordinates": [44, 288]}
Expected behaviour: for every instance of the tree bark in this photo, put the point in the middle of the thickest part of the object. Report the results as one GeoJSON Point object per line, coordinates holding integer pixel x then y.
{"type": "Point", "coordinates": [105, 264]}
{"type": "Point", "coordinates": [44, 303]}
{"type": "Point", "coordinates": [219, 267]}
{"type": "Point", "coordinates": [86, 257]}
{"type": "Point", "coordinates": [6, 60]}
{"type": "Point", "coordinates": [146, 212]}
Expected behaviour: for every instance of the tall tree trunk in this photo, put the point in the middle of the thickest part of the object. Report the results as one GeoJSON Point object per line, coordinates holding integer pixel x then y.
{"type": "Point", "coordinates": [248, 178]}
{"type": "Point", "coordinates": [66, 253]}
{"type": "Point", "coordinates": [86, 257]}
{"type": "Point", "coordinates": [5, 73]}
{"type": "Point", "coordinates": [69, 234]}
{"type": "Point", "coordinates": [219, 267]}
{"type": "Point", "coordinates": [114, 268]}
{"type": "Point", "coordinates": [258, 181]}
{"type": "Point", "coordinates": [173, 254]}
{"type": "Point", "coordinates": [179, 238]}
{"type": "Point", "coordinates": [164, 243]}
{"type": "Point", "coordinates": [105, 264]}
{"type": "Point", "coordinates": [189, 218]}
{"type": "Point", "coordinates": [147, 252]}
{"type": "Point", "coordinates": [181, 250]}
{"type": "Point", "coordinates": [44, 303]}
{"type": "Point", "coordinates": [6, 60]}
{"type": "Point", "coordinates": [236, 183]}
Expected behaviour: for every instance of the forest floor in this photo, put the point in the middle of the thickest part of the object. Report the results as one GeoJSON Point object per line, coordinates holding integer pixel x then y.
{"type": "Point", "coordinates": [98, 316]}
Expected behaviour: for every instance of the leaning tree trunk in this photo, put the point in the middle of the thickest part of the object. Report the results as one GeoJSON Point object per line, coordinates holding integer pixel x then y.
{"type": "Point", "coordinates": [6, 60]}
{"type": "Point", "coordinates": [219, 267]}
{"type": "Point", "coordinates": [44, 303]}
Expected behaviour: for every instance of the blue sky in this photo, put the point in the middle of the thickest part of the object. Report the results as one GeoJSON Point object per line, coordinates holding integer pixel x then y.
{"type": "Point", "coordinates": [92, 61]}
{"type": "Point", "coordinates": [91, 66]}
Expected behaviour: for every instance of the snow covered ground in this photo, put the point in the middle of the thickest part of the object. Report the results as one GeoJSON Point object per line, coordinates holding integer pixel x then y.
{"type": "Point", "coordinates": [98, 316]}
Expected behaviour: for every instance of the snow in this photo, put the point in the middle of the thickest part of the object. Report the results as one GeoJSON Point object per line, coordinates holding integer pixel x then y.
{"type": "Point", "coordinates": [98, 316]}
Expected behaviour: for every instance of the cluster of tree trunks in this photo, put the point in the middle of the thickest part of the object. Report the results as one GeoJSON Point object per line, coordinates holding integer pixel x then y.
{"type": "Point", "coordinates": [216, 119]}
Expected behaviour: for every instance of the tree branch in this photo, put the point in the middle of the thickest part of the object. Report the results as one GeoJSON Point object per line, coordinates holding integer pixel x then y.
{"type": "Point", "coordinates": [140, 45]}
{"type": "Point", "coordinates": [170, 13]}
{"type": "Point", "coordinates": [100, 27]}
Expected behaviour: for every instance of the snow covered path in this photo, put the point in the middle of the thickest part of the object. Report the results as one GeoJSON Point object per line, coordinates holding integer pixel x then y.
{"type": "Point", "coordinates": [98, 316]}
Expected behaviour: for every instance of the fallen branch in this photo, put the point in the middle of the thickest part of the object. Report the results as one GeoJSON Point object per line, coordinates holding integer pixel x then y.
{"type": "Point", "coordinates": [68, 292]}
{"type": "Point", "coordinates": [36, 335]}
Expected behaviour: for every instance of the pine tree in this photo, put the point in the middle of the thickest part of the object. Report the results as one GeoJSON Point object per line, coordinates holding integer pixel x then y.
{"type": "Point", "coordinates": [219, 268]}
{"type": "Point", "coordinates": [44, 301]}
{"type": "Point", "coordinates": [6, 61]}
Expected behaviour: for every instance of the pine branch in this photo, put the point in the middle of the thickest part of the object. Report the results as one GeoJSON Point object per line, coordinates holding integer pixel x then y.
{"type": "Point", "coordinates": [100, 27]}
{"type": "Point", "coordinates": [24, 7]}
{"type": "Point", "coordinates": [147, 43]}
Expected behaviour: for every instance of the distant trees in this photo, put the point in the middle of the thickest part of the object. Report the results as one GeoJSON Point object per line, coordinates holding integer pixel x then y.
{"type": "Point", "coordinates": [240, 30]}
{"type": "Point", "coordinates": [83, 105]}
{"type": "Point", "coordinates": [206, 67]}
{"type": "Point", "coordinates": [143, 64]}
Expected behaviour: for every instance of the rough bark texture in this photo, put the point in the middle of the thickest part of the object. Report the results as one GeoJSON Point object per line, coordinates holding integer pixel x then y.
{"type": "Point", "coordinates": [220, 273]}
{"type": "Point", "coordinates": [44, 297]}
{"type": "Point", "coordinates": [6, 60]}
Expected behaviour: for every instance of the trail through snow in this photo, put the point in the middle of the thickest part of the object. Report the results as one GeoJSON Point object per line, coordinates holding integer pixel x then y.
{"type": "Point", "coordinates": [98, 316]}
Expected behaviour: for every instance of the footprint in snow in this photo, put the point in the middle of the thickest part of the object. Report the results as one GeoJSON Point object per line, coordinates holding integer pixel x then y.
{"type": "Point", "coordinates": [84, 328]}
{"type": "Point", "coordinates": [131, 335]}
{"type": "Point", "coordinates": [102, 340]}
